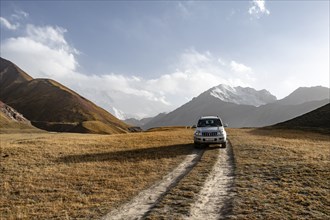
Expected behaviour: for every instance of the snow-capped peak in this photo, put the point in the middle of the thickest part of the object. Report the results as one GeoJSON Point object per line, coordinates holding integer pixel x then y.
{"type": "Point", "coordinates": [119, 114]}
{"type": "Point", "coordinates": [240, 95]}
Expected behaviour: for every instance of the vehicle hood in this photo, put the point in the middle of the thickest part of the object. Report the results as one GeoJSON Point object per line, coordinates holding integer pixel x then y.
{"type": "Point", "coordinates": [210, 129]}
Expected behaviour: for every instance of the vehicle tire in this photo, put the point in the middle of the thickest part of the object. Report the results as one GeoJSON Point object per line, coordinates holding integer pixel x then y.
{"type": "Point", "coordinates": [224, 145]}
{"type": "Point", "coordinates": [197, 145]}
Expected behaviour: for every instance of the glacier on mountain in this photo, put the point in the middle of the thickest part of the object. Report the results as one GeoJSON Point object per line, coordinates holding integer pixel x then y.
{"type": "Point", "coordinates": [242, 96]}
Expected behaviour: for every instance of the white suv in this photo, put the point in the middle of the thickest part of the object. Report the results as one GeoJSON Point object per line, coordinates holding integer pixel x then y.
{"type": "Point", "coordinates": [210, 130]}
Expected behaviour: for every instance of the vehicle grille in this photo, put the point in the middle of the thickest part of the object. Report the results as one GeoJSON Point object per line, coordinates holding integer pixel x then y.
{"type": "Point", "coordinates": [209, 133]}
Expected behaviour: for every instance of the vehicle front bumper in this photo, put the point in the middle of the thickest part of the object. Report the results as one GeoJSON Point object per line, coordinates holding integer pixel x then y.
{"type": "Point", "coordinates": [209, 139]}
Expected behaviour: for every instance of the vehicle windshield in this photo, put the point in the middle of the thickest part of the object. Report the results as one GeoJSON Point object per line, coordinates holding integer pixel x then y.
{"type": "Point", "coordinates": [209, 123]}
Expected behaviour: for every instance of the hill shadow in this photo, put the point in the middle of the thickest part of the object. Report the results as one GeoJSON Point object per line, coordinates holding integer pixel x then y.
{"type": "Point", "coordinates": [152, 153]}
{"type": "Point", "coordinates": [290, 133]}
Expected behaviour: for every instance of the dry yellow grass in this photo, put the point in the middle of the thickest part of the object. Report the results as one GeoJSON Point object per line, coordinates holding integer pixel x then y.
{"type": "Point", "coordinates": [177, 202]}
{"type": "Point", "coordinates": [281, 174]}
{"type": "Point", "coordinates": [82, 176]}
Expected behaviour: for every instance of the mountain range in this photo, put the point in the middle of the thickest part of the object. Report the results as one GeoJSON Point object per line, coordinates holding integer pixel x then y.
{"type": "Point", "coordinates": [244, 107]}
{"type": "Point", "coordinates": [242, 96]}
{"type": "Point", "coordinates": [51, 106]}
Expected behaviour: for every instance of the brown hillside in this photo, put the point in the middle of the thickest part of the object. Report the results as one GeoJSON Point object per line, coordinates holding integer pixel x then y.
{"type": "Point", "coordinates": [52, 106]}
{"type": "Point", "coordinates": [12, 121]}
{"type": "Point", "coordinates": [317, 119]}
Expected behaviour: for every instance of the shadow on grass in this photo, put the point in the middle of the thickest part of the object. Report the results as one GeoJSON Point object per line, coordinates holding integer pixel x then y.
{"type": "Point", "coordinates": [152, 153]}
{"type": "Point", "coordinates": [288, 133]}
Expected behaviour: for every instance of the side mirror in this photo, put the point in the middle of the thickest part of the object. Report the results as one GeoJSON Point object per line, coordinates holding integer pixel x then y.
{"type": "Point", "coordinates": [226, 125]}
{"type": "Point", "coordinates": [194, 126]}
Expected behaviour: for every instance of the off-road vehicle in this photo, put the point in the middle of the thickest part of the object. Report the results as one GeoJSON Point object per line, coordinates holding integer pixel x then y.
{"type": "Point", "coordinates": [210, 130]}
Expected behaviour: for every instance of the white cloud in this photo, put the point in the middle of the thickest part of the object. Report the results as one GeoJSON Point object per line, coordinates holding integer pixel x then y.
{"type": "Point", "coordinates": [12, 23]}
{"type": "Point", "coordinates": [221, 61]}
{"type": "Point", "coordinates": [193, 59]}
{"type": "Point", "coordinates": [239, 67]}
{"type": "Point", "coordinates": [44, 53]}
{"type": "Point", "coordinates": [19, 15]}
{"type": "Point", "coordinates": [195, 73]}
{"type": "Point", "coordinates": [46, 35]}
{"type": "Point", "coordinates": [258, 8]}
{"type": "Point", "coordinates": [119, 114]}
{"type": "Point", "coordinates": [4, 22]}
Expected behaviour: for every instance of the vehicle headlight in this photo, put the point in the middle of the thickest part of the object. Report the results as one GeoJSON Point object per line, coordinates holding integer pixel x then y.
{"type": "Point", "coordinates": [198, 132]}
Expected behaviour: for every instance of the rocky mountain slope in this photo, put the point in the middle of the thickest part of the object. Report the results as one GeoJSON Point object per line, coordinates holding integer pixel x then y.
{"type": "Point", "coordinates": [232, 105]}
{"type": "Point", "coordinates": [242, 96]}
{"type": "Point", "coordinates": [52, 106]}
{"type": "Point", "coordinates": [305, 94]}
{"type": "Point", "coordinates": [13, 121]}
{"type": "Point", "coordinates": [143, 121]}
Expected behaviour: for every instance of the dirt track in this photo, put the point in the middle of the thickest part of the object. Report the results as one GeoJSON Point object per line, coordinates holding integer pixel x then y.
{"type": "Point", "coordinates": [212, 202]}
{"type": "Point", "coordinates": [214, 199]}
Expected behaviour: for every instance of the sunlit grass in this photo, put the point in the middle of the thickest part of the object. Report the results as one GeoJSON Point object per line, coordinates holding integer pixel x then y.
{"type": "Point", "coordinates": [281, 174]}
{"type": "Point", "coordinates": [177, 202]}
{"type": "Point", "coordinates": [82, 176]}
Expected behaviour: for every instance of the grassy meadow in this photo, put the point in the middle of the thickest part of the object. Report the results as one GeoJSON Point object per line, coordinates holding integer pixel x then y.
{"type": "Point", "coordinates": [177, 202]}
{"type": "Point", "coordinates": [281, 174]}
{"type": "Point", "coordinates": [56, 175]}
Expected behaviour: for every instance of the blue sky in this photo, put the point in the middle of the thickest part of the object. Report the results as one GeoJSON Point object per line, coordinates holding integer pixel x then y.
{"type": "Point", "coordinates": [140, 58]}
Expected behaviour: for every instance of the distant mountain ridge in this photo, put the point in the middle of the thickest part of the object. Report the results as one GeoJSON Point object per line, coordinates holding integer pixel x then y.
{"type": "Point", "coordinates": [306, 94]}
{"type": "Point", "coordinates": [52, 106]}
{"type": "Point", "coordinates": [136, 122]}
{"type": "Point", "coordinates": [241, 95]}
{"type": "Point", "coordinates": [237, 112]}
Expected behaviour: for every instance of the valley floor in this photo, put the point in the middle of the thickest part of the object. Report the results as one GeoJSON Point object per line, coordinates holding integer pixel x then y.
{"type": "Point", "coordinates": [281, 174]}
{"type": "Point", "coordinates": [262, 174]}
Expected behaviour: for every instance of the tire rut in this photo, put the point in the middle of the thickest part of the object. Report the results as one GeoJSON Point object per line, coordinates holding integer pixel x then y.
{"type": "Point", "coordinates": [214, 199]}
{"type": "Point", "coordinates": [146, 199]}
